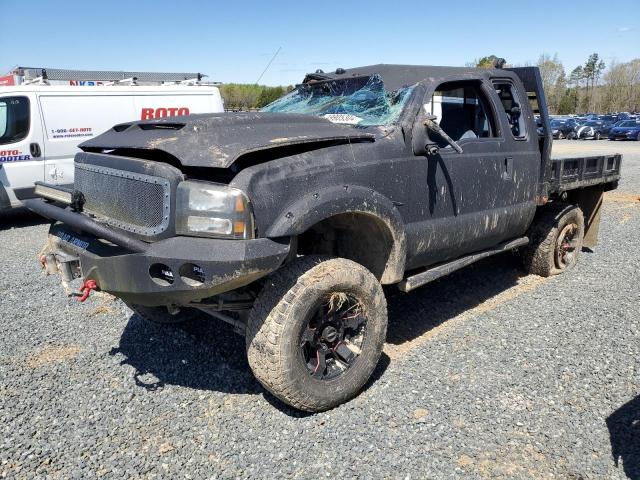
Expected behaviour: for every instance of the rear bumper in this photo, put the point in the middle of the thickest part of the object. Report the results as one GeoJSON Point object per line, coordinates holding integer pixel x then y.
{"type": "Point", "coordinates": [176, 270]}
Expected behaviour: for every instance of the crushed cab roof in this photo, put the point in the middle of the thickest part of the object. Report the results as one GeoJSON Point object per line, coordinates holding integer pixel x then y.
{"type": "Point", "coordinates": [398, 76]}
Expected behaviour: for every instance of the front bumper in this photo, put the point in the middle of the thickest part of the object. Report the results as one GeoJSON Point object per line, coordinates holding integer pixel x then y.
{"type": "Point", "coordinates": [174, 271]}
{"type": "Point", "coordinates": [622, 136]}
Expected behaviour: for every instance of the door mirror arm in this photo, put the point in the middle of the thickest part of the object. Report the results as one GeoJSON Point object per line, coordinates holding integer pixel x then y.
{"type": "Point", "coordinates": [432, 149]}
{"type": "Point", "coordinates": [430, 123]}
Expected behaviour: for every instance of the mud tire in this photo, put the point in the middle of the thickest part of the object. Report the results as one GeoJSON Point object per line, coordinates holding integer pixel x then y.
{"type": "Point", "coordinates": [278, 318]}
{"type": "Point", "coordinates": [540, 256]}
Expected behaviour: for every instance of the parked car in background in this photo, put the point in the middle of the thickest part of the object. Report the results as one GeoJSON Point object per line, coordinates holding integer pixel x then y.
{"type": "Point", "coordinates": [562, 128]}
{"type": "Point", "coordinates": [627, 130]}
{"type": "Point", "coordinates": [609, 118]}
{"type": "Point", "coordinates": [608, 127]}
{"type": "Point", "coordinates": [590, 130]}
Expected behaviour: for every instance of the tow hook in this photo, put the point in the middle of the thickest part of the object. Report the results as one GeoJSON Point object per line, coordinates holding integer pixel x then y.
{"type": "Point", "coordinates": [86, 289]}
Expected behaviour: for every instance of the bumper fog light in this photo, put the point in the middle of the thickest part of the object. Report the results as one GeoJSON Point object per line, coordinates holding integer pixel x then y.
{"type": "Point", "coordinates": [161, 274]}
{"type": "Point", "coordinates": [192, 274]}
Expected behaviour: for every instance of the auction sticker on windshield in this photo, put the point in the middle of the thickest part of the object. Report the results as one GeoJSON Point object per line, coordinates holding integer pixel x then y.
{"type": "Point", "coordinates": [345, 118]}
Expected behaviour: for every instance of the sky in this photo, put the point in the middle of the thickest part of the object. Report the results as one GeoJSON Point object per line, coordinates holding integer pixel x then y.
{"type": "Point", "coordinates": [233, 41]}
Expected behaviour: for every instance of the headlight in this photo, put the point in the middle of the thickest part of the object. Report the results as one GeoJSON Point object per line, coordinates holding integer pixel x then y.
{"type": "Point", "coordinates": [212, 210]}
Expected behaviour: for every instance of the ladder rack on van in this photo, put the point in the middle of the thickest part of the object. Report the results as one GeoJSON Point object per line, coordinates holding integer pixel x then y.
{"type": "Point", "coordinates": [48, 76]}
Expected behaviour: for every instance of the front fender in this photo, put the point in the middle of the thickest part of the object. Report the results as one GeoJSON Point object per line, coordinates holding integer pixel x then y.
{"type": "Point", "coordinates": [317, 206]}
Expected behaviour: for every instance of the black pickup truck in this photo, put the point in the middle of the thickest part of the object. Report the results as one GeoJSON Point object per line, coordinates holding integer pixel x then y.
{"type": "Point", "coordinates": [287, 222]}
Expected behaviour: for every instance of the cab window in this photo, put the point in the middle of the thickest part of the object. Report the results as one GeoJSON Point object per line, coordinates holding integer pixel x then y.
{"type": "Point", "coordinates": [512, 109]}
{"type": "Point", "coordinates": [462, 111]}
{"type": "Point", "coordinates": [14, 119]}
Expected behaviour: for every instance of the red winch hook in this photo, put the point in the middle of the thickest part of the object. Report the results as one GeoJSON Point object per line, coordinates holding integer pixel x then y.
{"type": "Point", "coordinates": [86, 288]}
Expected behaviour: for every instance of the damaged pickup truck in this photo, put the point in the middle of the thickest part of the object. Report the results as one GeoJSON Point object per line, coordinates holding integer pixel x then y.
{"type": "Point", "coordinates": [287, 222]}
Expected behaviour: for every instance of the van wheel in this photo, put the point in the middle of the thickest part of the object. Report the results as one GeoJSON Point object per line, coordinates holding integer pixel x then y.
{"type": "Point", "coordinates": [160, 315]}
{"type": "Point", "coordinates": [316, 331]}
{"type": "Point", "coordinates": [556, 237]}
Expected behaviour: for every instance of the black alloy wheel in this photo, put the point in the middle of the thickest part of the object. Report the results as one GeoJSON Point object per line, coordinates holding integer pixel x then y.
{"type": "Point", "coordinates": [333, 337]}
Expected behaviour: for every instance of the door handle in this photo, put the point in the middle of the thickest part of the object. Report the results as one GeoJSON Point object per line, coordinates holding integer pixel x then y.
{"type": "Point", "coordinates": [34, 148]}
{"type": "Point", "coordinates": [507, 173]}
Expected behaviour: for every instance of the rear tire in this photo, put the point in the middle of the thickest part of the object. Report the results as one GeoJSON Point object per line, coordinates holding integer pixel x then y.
{"type": "Point", "coordinates": [161, 316]}
{"type": "Point", "coordinates": [556, 238]}
{"type": "Point", "coordinates": [297, 332]}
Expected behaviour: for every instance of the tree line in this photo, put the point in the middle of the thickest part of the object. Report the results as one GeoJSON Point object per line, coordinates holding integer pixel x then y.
{"type": "Point", "coordinates": [240, 96]}
{"type": "Point", "coordinates": [592, 87]}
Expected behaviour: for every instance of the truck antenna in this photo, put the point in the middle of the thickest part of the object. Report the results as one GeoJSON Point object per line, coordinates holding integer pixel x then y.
{"type": "Point", "coordinates": [268, 65]}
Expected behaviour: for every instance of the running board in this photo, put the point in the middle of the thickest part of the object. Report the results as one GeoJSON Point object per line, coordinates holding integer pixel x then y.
{"type": "Point", "coordinates": [443, 269]}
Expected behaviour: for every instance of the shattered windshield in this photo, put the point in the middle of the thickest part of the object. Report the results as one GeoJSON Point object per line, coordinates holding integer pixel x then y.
{"type": "Point", "coordinates": [361, 101]}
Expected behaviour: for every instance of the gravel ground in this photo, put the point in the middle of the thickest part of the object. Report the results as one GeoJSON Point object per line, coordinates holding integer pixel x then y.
{"type": "Point", "coordinates": [486, 374]}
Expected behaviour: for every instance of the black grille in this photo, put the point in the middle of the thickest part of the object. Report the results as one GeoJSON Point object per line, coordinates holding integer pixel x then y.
{"type": "Point", "coordinates": [134, 202]}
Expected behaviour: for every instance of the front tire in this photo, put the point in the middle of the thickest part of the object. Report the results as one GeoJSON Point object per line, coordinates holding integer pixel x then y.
{"type": "Point", "coordinates": [316, 332]}
{"type": "Point", "coordinates": [556, 238]}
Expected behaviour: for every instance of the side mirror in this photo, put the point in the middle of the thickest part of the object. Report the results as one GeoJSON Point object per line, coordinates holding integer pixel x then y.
{"type": "Point", "coordinates": [430, 123]}
{"type": "Point", "coordinates": [423, 145]}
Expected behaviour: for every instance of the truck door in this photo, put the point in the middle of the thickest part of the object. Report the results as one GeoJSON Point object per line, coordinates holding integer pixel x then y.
{"type": "Point", "coordinates": [521, 155]}
{"type": "Point", "coordinates": [465, 194]}
{"type": "Point", "coordinates": [21, 145]}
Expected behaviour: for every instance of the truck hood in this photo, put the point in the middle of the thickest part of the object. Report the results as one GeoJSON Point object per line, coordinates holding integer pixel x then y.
{"type": "Point", "coordinates": [218, 140]}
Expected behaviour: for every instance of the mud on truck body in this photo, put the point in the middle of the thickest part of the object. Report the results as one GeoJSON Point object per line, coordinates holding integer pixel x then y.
{"type": "Point", "coordinates": [287, 222]}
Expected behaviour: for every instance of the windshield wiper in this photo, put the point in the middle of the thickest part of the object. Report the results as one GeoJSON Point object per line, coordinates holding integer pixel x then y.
{"type": "Point", "coordinates": [432, 125]}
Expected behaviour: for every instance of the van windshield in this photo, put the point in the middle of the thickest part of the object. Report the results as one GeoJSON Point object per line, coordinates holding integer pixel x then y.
{"type": "Point", "coordinates": [14, 119]}
{"type": "Point", "coordinates": [361, 101]}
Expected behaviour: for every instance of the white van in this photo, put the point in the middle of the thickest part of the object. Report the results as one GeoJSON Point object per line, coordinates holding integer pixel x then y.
{"type": "Point", "coordinates": [41, 125]}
